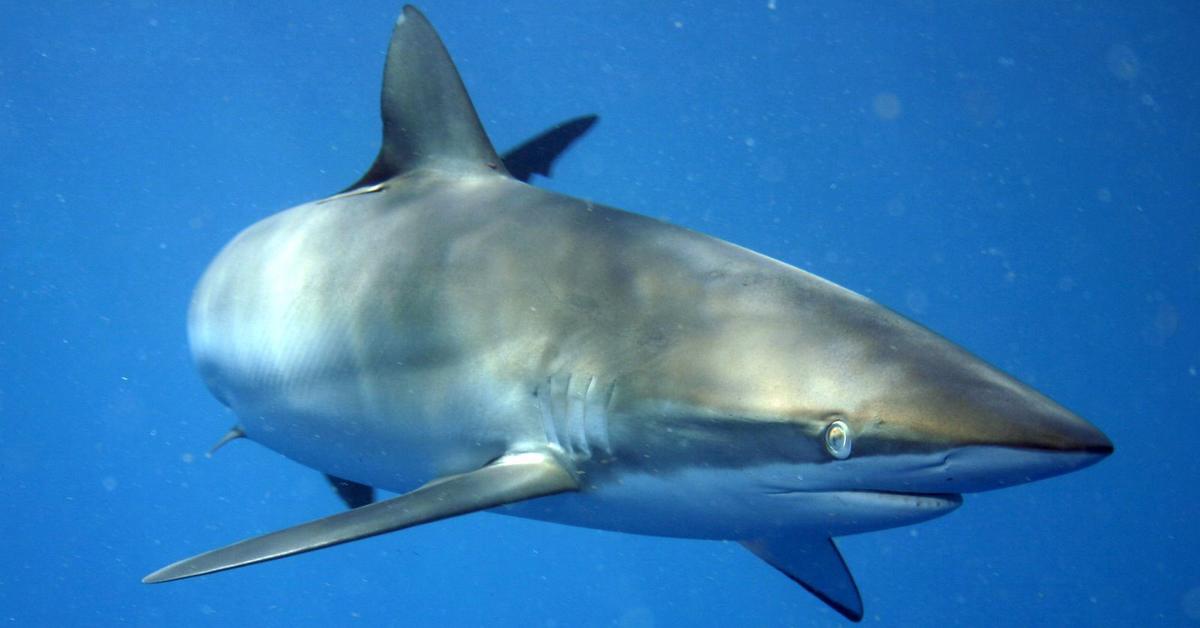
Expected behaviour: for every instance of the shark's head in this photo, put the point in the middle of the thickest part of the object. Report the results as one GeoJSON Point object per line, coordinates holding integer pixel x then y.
{"type": "Point", "coordinates": [808, 390]}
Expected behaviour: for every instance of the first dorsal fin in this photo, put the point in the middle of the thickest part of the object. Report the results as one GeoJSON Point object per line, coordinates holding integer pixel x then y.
{"type": "Point", "coordinates": [428, 118]}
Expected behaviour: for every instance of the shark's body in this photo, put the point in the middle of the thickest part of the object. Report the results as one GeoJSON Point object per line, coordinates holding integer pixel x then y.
{"type": "Point", "coordinates": [572, 362]}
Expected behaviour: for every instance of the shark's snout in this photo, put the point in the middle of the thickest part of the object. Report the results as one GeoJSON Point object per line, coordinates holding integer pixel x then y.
{"type": "Point", "coordinates": [1077, 436]}
{"type": "Point", "coordinates": [993, 432]}
{"type": "Point", "coordinates": [1049, 443]}
{"type": "Point", "coordinates": [1025, 419]}
{"type": "Point", "coordinates": [946, 422]}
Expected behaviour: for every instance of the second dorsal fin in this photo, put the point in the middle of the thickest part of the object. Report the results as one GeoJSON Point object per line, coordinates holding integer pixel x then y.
{"type": "Point", "coordinates": [537, 155]}
{"type": "Point", "coordinates": [428, 118]}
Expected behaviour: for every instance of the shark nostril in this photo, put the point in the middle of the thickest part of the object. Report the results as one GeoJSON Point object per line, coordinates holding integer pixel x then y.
{"type": "Point", "coordinates": [837, 439]}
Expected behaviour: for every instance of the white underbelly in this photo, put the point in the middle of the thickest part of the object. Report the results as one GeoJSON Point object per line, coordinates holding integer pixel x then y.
{"type": "Point", "coordinates": [395, 432]}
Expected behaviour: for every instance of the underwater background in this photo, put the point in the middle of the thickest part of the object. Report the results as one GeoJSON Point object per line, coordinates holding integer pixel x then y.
{"type": "Point", "coordinates": [1021, 177]}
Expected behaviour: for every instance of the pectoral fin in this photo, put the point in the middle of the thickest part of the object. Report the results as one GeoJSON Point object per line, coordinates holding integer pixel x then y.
{"type": "Point", "coordinates": [513, 478]}
{"type": "Point", "coordinates": [816, 565]}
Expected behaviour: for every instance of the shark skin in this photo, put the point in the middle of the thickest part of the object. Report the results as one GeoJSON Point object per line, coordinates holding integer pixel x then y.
{"type": "Point", "coordinates": [445, 331]}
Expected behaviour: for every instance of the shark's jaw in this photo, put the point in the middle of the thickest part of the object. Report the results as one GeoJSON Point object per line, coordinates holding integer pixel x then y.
{"type": "Point", "coordinates": [858, 511]}
{"type": "Point", "coordinates": [725, 504]}
{"type": "Point", "coordinates": [887, 499]}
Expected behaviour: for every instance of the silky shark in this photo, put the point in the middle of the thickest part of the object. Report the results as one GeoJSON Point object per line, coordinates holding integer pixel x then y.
{"type": "Point", "coordinates": [446, 331]}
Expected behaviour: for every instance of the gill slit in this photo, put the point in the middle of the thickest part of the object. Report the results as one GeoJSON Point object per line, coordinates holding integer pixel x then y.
{"type": "Point", "coordinates": [574, 412]}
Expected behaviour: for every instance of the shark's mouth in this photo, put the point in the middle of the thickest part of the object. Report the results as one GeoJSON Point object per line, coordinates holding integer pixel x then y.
{"type": "Point", "coordinates": [944, 499]}
{"type": "Point", "coordinates": [840, 512]}
{"type": "Point", "coordinates": [923, 500]}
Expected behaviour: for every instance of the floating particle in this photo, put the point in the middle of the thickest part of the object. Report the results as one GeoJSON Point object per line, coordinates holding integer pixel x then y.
{"type": "Point", "coordinates": [887, 106]}
{"type": "Point", "coordinates": [1123, 62]}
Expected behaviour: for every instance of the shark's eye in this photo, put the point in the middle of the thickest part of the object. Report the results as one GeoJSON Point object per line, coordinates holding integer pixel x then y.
{"type": "Point", "coordinates": [837, 439]}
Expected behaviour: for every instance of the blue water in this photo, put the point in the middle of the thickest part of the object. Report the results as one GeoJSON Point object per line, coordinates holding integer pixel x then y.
{"type": "Point", "coordinates": [1021, 177]}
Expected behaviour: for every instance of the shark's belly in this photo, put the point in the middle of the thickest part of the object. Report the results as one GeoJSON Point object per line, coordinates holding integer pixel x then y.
{"type": "Point", "coordinates": [314, 328]}
{"type": "Point", "coordinates": [394, 428]}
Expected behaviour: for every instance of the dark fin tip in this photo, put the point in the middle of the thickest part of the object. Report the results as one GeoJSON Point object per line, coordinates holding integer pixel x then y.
{"type": "Point", "coordinates": [852, 614]}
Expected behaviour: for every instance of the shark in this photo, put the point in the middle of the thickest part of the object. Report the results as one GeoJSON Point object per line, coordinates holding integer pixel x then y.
{"type": "Point", "coordinates": [443, 330]}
